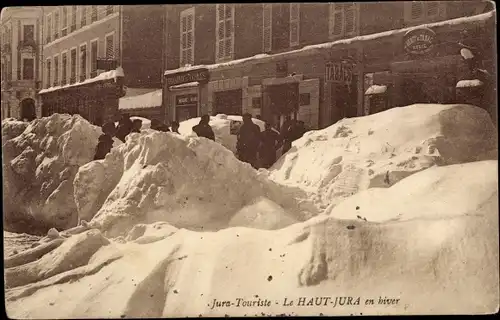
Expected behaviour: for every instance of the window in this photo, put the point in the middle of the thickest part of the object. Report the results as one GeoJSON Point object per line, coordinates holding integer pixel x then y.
{"type": "Point", "coordinates": [28, 69]}
{"type": "Point", "coordinates": [110, 41]}
{"type": "Point", "coordinates": [48, 67]}
{"type": "Point", "coordinates": [256, 103]}
{"type": "Point", "coordinates": [83, 16]}
{"type": "Point", "coordinates": [109, 10]}
{"type": "Point", "coordinates": [56, 25]}
{"type": "Point", "coordinates": [267, 27]}
{"type": "Point", "coordinates": [64, 76]}
{"type": "Point", "coordinates": [56, 71]}
{"type": "Point", "coordinates": [83, 62]}
{"type": "Point", "coordinates": [64, 27]}
{"type": "Point", "coordinates": [187, 37]}
{"type": "Point", "coordinates": [93, 58]}
{"type": "Point", "coordinates": [73, 66]}
{"type": "Point", "coordinates": [225, 31]}
{"type": "Point", "coordinates": [294, 23]}
{"type": "Point", "coordinates": [421, 10]}
{"type": "Point", "coordinates": [29, 33]}
{"type": "Point", "coordinates": [49, 28]}
{"type": "Point", "coordinates": [343, 19]}
{"type": "Point", "coordinates": [305, 99]}
{"type": "Point", "coordinates": [93, 16]}
{"type": "Point", "coordinates": [73, 18]}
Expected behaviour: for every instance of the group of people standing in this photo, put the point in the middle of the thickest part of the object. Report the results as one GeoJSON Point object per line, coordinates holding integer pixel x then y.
{"type": "Point", "coordinates": [253, 146]}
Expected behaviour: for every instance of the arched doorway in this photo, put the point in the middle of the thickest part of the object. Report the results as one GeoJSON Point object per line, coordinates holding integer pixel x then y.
{"type": "Point", "coordinates": [28, 110]}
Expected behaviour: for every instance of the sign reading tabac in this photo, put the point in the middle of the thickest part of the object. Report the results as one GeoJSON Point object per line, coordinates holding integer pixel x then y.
{"type": "Point", "coordinates": [200, 75]}
{"type": "Point", "coordinates": [419, 41]}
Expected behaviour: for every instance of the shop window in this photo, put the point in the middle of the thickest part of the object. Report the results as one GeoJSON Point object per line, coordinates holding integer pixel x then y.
{"type": "Point", "coordinates": [110, 46]}
{"type": "Point", "coordinates": [83, 62]}
{"type": "Point", "coordinates": [73, 66]}
{"type": "Point", "coordinates": [422, 10]}
{"type": "Point", "coordinates": [294, 24]}
{"type": "Point", "coordinates": [267, 27]}
{"type": "Point", "coordinates": [343, 19]}
{"type": "Point", "coordinates": [83, 16]}
{"type": "Point", "coordinates": [48, 68]}
{"type": "Point", "coordinates": [225, 31]}
{"type": "Point", "coordinates": [28, 69]}
{"type": "Point", "coordinates": [187, 36]}
{"type": "Point", "coordinates": [305, 99]}
{"type": "Point", "coordinates": [257, 103]}
{"type": "Point", "coordinates": [64, 76]}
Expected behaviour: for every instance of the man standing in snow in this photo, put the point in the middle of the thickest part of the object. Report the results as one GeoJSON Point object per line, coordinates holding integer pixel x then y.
{"type": "Point", "coordinates": [105, 141]}
{"type": "Point", "coordinates": [248, 142]}
{"type": "Point", "coordinates": [288, 129]}
{"type": "Point", "coordinates": [124, 127]}
{"type": "Point", "coordinates": [269, 142]}
{"type": "Point", "coordinates": [203, 129]}
{"type": "Point", "coordinates": [175, 127]}
{"type": "Point", "coordinates": [136, 126]}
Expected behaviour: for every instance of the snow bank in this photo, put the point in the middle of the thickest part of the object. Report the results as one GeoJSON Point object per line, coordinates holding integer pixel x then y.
{"type": "Point", "coordinates": [108, 75]}
{"type": "Point", "coordinates": [428, 262]}
{"type": "Point", "coordinates": [189, 182]}
{"type": "Point", "coordinates": [39, 165]}
{"type": "Point", "coordinates": [381, 149]}
{"type": "Point", "coordinates": [221, 124]}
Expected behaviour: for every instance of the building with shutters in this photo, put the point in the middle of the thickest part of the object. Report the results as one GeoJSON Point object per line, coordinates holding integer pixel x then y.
{"type": "Point", "coordinates": [83, 45]}
{"type": "Point", "coordinates": [21, 52]}
{"type": "Point", "coordinates": [313, 61]}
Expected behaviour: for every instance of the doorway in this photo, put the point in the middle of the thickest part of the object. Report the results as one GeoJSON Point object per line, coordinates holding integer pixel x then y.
{"type": "Point", "coordinates": [343, 100]}
{"type": "Point", "coordinates": [280, 101]}
{"type": "Point", "coordinates": [28, 110]}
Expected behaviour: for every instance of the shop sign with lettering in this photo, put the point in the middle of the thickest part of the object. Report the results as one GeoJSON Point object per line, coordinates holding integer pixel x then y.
{"type": "Point", "coordinates": [199, 75]}
{"type": "Point", "coordinates": [339, 72]}
{"type": "Point", "coordinates": [186, 99]}
{"type": "Point", "coordinates": [419, 41]}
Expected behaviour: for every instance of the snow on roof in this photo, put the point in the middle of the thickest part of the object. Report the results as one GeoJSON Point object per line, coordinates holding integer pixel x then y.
{"type": "Point", "coordinates": [376, 89]}
{"type": "Point", "coordinates": [186, 85]}
{"type": "Point", "coordinates": [112, 74]}
{"type": "Point", "coordinates": [469, 83]}
{"type": "Point", "coordinates": [328, 45]}
{"type": "Point", "coordinates": [147, 100]}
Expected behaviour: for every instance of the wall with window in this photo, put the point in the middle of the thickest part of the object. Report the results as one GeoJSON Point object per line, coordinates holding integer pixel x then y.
{"type": "Point", "coordinates": [88, 36]}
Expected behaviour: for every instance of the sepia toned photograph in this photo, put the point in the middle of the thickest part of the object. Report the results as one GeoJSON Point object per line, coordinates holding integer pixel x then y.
{"type": "Point", "coordinates": [250, 159]}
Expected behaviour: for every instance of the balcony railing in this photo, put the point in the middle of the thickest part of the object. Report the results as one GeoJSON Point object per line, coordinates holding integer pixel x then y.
{"type": "Point", "coordinates": [72, 80]}
{"type": "Point", "coordinates": [56, 83]}
{"type": "Point", "coordinates": [64, 32]}
{"type": "Point", "coordinates": [73, 27]}
{"type": "Point", "coordinates": [63, 82]}
{"type": "Point", "coordinates": [82, 77]}
{"type": "Point", "coordinates": [27, 43]}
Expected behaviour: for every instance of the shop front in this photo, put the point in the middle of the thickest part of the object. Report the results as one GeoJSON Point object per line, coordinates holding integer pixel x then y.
{"type": "Point", "coordinates": [186, 106]}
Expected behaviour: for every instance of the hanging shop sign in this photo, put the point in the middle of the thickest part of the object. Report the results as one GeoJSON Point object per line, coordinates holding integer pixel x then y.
{"type": "Point", "coordinates": [199, 75]}
{"type": "Point", "coordinates": [339, 72]}
{"type": "Point", "coordinates": [419, 41]}
{"type": "Point", "coordinates": [186, 99]}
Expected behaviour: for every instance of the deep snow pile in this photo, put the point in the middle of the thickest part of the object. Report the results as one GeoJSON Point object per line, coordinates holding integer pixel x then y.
{"type": "Point", "coordinates": [442, 258]}
{"type": "Point", "coordinates": [381, 149]}
{"type": "Point", "coordinates": [221, 124]}
{"type": "Point", "coordinates": [39, 163]}
{"type": "Point", "coordinates": [189, 182]}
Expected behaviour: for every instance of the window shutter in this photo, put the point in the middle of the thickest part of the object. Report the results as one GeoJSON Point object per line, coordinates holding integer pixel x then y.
{"type": "Point", "coordinates": [432, 9]}
{"type": "Point", "coordinates": [416, 9]}
{"type": "Point", "coordinates": [109, 47]}
{"type": "Point", "coordinates": [220, 52]}
{"type": "Point", "coordinates": [294, 23]}
{"type": "Point", "coordinates": [350, 19]}
{"type": "Point", "coordinates": [337, 23]}
{"type": "Point", "coordinates": [267, 27]}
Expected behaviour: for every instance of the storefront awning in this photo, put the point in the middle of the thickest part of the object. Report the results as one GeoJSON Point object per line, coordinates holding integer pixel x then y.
{"type": "Point", "coordinates": [469, 83]}
{"type": "Point", "coordinates": [147, 100]}
{"type": "Point", "coordinates": [375, 89]}
{"type": "Point", "coordinates": [185, 85]}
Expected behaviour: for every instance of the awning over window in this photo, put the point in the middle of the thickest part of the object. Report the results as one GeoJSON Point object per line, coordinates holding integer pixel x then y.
{"type": "Point", "coordinates": [376, 89]}
{"type": "Point", "coordinates": [147, 100]}
{"type": "Point", "coordinates": [469, 83]}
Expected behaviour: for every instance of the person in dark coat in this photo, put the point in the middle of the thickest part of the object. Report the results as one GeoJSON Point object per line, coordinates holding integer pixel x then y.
{"type": "Point", "coordinates": [159, 126]}
{"type": "Point", "coordinates": [203, 129]}
{"type": "Point", "coordinates": [248, 142]}
{"type": "Point", "coordinates": [175, 127]}
{"type": "Point", "coordinates": [105, 141]}
{"type": "Point", "coordinates": [300, 129]}
{"type": "Point", "coordinates": [136, 126]}
{"type": "Point", "coordinates": [124, 127]}
{"type": "Point", "coordinates": [287, 134]}
{"type": "Point", "coordinates": [269, 143]}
